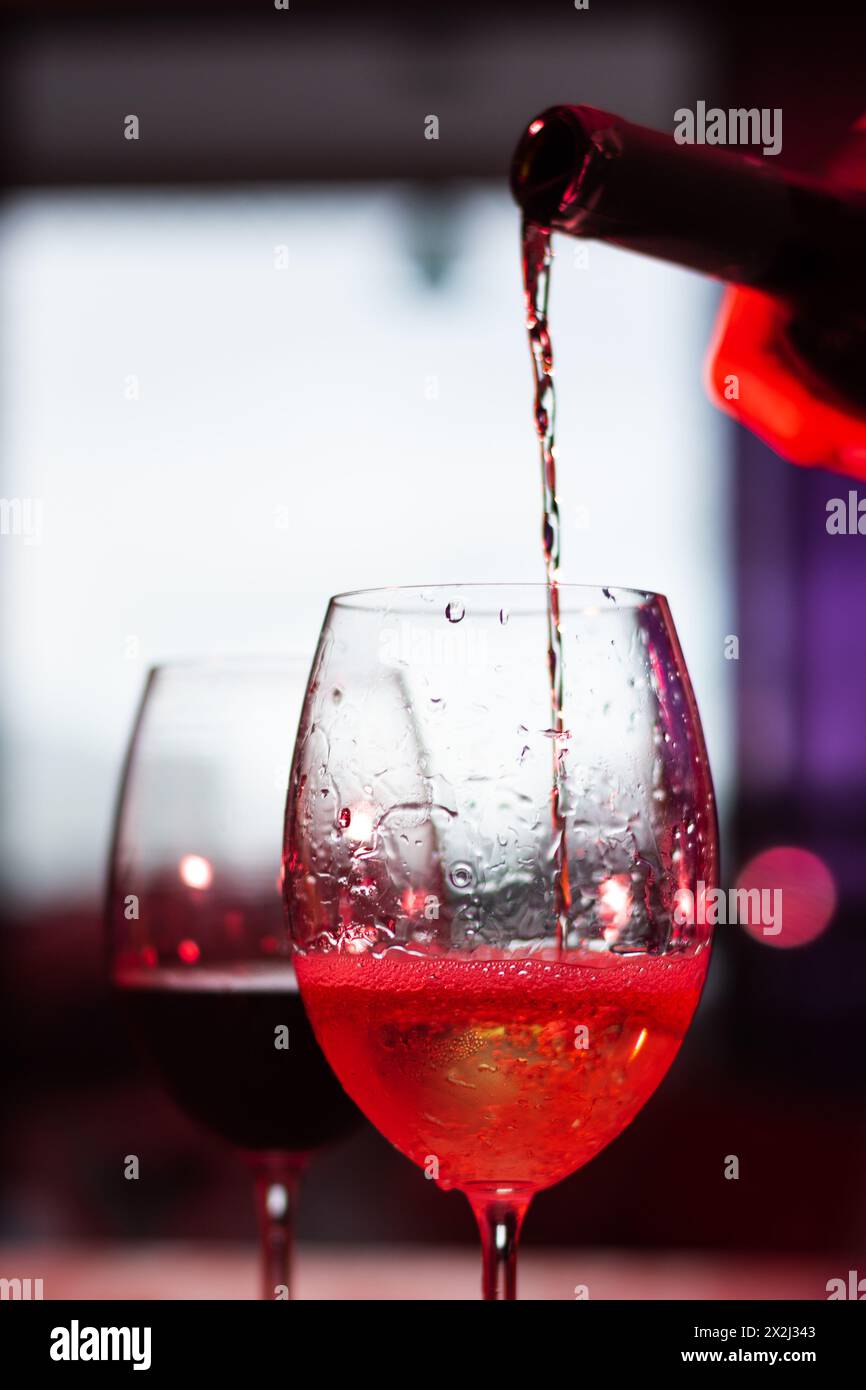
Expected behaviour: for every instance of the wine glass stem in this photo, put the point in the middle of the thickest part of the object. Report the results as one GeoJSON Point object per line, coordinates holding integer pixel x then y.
{"type": "Point", "coordinates": [277, 1178]}
{"type": "Point", "coordinates": [500, 1217]}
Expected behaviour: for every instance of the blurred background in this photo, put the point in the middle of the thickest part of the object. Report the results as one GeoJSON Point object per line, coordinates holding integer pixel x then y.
{"type": "Point", "coordinates": [273, 349]}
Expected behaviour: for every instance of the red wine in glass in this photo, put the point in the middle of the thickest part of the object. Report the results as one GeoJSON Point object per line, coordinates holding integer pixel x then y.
{"type": "Point", "coordinates": [501, 1072]}
{"type": "Point", "coordinates": [235, 1050]}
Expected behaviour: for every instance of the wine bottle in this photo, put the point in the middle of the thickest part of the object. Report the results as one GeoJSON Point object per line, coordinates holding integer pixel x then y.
{"type": "Point", "coordinates": [788, 357]}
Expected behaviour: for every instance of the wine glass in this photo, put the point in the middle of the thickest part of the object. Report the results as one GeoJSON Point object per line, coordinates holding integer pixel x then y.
{"type": "Point", "coordinates": [483, 890]}
{"type": "Point", "coordinates": [199, 955]}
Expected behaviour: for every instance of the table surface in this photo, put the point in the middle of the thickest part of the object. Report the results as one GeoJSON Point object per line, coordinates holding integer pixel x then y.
{"type": "Point", "coordinates": [165, 1270]}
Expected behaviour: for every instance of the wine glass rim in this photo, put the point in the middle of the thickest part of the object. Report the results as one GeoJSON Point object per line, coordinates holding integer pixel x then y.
{"type": "Point", "coordinates": [600, 598]}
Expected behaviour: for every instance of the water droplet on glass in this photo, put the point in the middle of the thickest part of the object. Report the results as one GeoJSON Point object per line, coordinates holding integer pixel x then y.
{"type": "Point", "coordinates": [345, 818]}
{"type": "Point", "coordinates": [504, 615]}
{"type": "Point", "coordinates": [455, 612]}
{"type": "Point", "coordinates": [462, 876]}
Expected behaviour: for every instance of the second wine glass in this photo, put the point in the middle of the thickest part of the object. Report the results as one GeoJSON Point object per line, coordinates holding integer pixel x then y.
{"type": "Point", "coordinates": [199, 956]}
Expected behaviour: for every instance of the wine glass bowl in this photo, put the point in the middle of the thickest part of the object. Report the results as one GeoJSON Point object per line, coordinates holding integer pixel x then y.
{"type": "Point", "coordinates": [423, 767]}
{"type": "Point", "coordinates": [483, 894]}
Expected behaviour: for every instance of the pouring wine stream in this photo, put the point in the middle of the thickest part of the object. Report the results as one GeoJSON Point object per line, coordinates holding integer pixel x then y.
{"type": "Point", "coordinates": [537, 256]}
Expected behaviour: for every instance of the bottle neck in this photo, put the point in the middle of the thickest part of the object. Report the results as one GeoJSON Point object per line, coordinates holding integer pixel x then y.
{"type": "Point", "coordinates": [591, 174]}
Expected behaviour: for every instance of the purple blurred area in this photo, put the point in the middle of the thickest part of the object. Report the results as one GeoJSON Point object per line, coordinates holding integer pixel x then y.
{"type": "Point", "coordinates": [772, 1070]}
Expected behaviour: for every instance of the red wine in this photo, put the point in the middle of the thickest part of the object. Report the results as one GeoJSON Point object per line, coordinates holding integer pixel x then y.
{"type": "Point", "coordinates": [537, 256]}
{"type": "Point", "coordinates": [513, 1072]}
{"type": "Point", "coordinates": [211, 1033]}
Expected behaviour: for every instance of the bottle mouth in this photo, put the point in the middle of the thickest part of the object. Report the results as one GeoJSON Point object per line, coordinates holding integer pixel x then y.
{"type": "Point", "coordinates": [546, 163]}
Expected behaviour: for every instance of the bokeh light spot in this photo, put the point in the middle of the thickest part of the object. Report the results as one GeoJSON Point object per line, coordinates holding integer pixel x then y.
{"type": "Point", "coordinates": [359, 825]}
{"type": "Point", "coordinates": [195, 871]}
{"type": "Point", "coordinates": [615, 902]}
{"type": "Point", "coordinates": [800, 884]}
